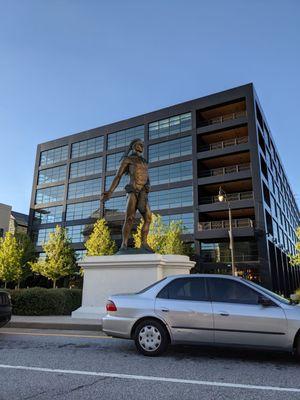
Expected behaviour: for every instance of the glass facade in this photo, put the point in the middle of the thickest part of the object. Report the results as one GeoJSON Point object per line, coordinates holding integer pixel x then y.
{"type": "Point", "coordinates": [48, 215]}
{"type": "Point", "coordinates": [123, 182]}
{"type": "Point", "coordinates": [75, 233]}
{"type": "Point", "coordinates": [124, 137]}
{"type": "Point", "coordinates": [88, 209]}
{"type": "Point", "coordinates": [171, 173]}
{"type": "Point", "coordinates": [171, 198]}
{"type": "Point", "coordinates": [80, 254]}
{"type": "Point", "coordinates": [170, 149]}
{"type": "Point", "coordinates": [51, 175]}
{"type": "Point", "coordinates": [86, 167]}
{"type": "Point", "coordinates": [54, 155]}
{"type": "Point", "coordinates": [116, 205]}
{"type": "Point", "coordinates": [170, 126]}
{"type": "Point", "coordinates": [43, 235]}
{"type": "Point", "coordinates": [91, 187]}
{"type": "Point", "coordinates": [86, 147]}
{"type": "Point", "coordinates": [113, 161]}
{"type": "Point", "coordinates": [187, 220]}
{"type": "Point", "coordinates": [50, 194]}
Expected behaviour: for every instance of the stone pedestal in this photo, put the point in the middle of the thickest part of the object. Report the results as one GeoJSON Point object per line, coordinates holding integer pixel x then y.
{"type": "Point", "coordinates": [106, 275]}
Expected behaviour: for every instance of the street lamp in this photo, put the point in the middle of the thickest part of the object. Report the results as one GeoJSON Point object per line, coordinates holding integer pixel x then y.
{"type": "Point", "coordinates": [222, 196]}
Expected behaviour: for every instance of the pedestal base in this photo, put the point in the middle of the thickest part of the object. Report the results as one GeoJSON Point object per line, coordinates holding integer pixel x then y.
{"type": "Point", "coordinates": [107, 275]}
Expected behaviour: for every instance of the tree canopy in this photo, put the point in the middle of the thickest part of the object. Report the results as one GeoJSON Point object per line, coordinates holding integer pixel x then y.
{"type": "Point", "coordinates": [100, 242]}
{"type": "Point", "coordinates": [295, 259]}
{"type": "Point", "coordinates": [10, 259]}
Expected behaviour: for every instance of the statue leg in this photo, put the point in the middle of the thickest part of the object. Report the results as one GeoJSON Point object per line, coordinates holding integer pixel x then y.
{"type": "Point", "coordinates": [129, 219]}
{"type": "Point", "coordinates": [144, 209]}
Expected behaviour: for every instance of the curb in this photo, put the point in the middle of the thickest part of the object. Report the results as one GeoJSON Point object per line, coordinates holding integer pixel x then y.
{"type": "Point", "coordinates": [55, 325]}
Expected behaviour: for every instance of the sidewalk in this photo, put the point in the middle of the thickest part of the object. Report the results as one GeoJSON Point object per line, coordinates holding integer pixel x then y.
{"type": "Point", "coordinates": [60, 322]}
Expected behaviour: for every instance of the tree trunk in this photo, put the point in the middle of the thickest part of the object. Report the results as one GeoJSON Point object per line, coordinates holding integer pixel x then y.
{"type": "Point", "coordinates": [18, 285]}
{"type": "Point", "coordinates": [54, 283]}
{"type": "Point", "coordinates": [5, 283]}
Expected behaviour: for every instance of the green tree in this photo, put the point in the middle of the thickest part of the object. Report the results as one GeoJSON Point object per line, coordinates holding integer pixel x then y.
{"type": "Point", "coordinates": [163, 238]}
{"type": "Point", "coordinates": [28, 254]}
{"type": "Point", "coordinates": [60, 257]}
{"type": "Point", "coordinates": [100, 242]}
{"type": "Point", "coordinates": [10, 259]}
{"type": "Point", "coordinates": [295, 259]}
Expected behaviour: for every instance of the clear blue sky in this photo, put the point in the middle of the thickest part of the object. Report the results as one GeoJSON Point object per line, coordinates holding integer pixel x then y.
{"type": "Point", "coordinates": [70, 65]}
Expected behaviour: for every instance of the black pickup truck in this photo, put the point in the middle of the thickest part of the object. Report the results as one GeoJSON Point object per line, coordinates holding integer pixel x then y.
{"type": "Point", "coordinates": [5, 308]}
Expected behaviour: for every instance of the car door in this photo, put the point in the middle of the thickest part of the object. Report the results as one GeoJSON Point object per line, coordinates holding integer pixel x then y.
{"type": "Point", "coordinates": [185, 306]}
{"type": "Point", "coordinates": [240, 319]}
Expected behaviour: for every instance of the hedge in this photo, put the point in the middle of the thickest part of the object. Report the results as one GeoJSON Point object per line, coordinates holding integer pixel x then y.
{"type": "Point", "coordinates": [41, 301]}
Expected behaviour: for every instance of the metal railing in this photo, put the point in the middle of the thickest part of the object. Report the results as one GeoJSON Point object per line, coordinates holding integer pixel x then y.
{"type": "Point", "coordinates": [224, 144]}
{"type": "Point", "coordinates": [225, 170]}
{"type": "Point", "coordinates": [224, 224]}
{"type": "Point", "coordinates": [212, 256]}
{"type": "Point", "coordinates": [223, 118]}
{"type": "Point", "coordinates": [230, 197]}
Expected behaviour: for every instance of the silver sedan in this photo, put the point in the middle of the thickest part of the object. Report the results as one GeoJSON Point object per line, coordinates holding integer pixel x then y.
{"type": "Point", "coordinates": [204, 309]}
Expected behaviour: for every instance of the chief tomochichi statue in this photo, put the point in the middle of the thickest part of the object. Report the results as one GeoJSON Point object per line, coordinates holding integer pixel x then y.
{"type": "Point", "coordinates": [134, 165]}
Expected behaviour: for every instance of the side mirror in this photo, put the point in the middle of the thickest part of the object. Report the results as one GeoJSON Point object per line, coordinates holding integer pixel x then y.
{"type": "Point", "coordinates": [265, 302]}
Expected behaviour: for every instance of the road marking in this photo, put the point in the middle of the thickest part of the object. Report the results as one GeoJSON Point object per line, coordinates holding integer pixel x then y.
{"type": "Point", "coordinates": [151, 378]}
{"type": "Point", "coordinates": [55, 334]}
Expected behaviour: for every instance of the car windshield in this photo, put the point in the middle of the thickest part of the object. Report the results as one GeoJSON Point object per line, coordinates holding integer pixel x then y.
{"type": "Point", "coordinates": [151, 286]}
{"type": "Point", "coordinates": [270, 293]}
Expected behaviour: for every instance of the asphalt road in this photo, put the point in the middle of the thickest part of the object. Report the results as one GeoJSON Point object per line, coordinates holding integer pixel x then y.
{"type": "Point", "coordinates": [79, 365]}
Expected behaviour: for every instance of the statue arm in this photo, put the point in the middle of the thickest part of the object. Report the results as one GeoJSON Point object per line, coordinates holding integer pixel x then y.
{"type": "Point", "coordinates": [122, 169]}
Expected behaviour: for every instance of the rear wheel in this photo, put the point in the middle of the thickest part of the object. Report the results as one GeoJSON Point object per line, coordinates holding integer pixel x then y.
{"type": "Point", "coordinates": [297, 348]}
{"type": "Point", "coordinates": [151, 338]}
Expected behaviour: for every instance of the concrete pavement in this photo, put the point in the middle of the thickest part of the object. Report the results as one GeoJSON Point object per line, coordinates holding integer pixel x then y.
{"type": "Point", "coordinates": [59, 322]}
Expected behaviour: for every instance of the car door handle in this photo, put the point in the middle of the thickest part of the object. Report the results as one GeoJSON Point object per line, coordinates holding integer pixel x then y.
{"type": "Point", "coordinates": [164, 310]}
{"type": "Point", "coordinates": [224, 314]}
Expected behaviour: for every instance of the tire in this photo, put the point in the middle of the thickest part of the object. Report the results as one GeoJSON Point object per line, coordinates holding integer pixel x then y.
{"type": "Point", "coordinates": [297, 348]}
{"type": "Point", "coordinates": [151, 338]}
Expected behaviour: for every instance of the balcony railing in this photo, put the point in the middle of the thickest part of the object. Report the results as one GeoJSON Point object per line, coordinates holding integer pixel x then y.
{"type": "Point", "coordinates": [229, 196]}
{"type": "Point", "coordinates": [225, 170]}
{"type": "Point", "coordinates": [236, 223]}
{"type": "Point", "coordinates": [223, 118]}
{"type": "Point", "coordinates": [224, 144]}
{"type": "Point", "coordinates": [215, 257]}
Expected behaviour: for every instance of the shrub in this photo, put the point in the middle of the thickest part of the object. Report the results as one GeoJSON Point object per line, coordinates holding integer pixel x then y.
{"type": "Point", "coordinates": [40, 301]}
{"type": "Point", "coordinates": [297, 293]}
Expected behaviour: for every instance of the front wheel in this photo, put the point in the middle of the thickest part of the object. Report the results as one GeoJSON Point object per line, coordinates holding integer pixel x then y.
{"type": "Point", "coordinates": [151, 338]}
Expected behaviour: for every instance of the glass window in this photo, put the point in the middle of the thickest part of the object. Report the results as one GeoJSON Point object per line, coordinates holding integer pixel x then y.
{"type": "Point", "coordinates": [86, 147]}
{"type": "Point", "coordinates": [115, 205]}
{"type": "Point", "coordinates": [171, 173]}
{"type": "Point", "coordinates": [86, 167]}
{"type": "Point", "coordinates": [48, 215]}
{"type": "Point", "coordinates": [50, 175]}
{"type": "Point", "coordinates": [229, 291]}
{"type": "Point", "coordinates": [88, 209]}
{"type": "Point", "coordinates": [80, 254]}
{"type": "Point", "coordinates": [50, 194]}
{"type": "Point", "coordinates": [170, 126]}
{"type": "Point", "coordinates": [187, 220]}
{"type": "Point", "coordinates": [91, 187]}
{"type": "Point", "coordinates": [124, 137]}
{"type": "Point", "coordinates": [192, 289]}
{"type": "Point", "coordinates": [123, 182]}
{"type": "Point", "coordinates": [54, 155]}
{"type": "Point", "coordinates": [75, 233]}
{"type": "Point", "coordinates": [171, 198]}
{"type": "Point", "coordinates": [43, 236]}
{"type": "Point", "coordinates": [113, 161]}
{"type": "Point", "coordinates": [170, 149]}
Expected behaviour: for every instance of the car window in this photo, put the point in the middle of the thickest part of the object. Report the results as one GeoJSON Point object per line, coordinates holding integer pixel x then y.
{"type": "Point", "coordinates": [193, 289]}
{"type": "Point", "coordinates": [150, 286]}
{"type": "Point", "coordinates": [229, 291]}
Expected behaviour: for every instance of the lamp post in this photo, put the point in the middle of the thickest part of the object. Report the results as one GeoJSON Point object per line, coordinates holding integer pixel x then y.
{"type": "Point", "coordinates": [222, 196]}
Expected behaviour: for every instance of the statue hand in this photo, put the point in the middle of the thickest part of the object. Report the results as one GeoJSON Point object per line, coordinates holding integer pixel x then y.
{"type": "Point", "coordinates": [105, 196]}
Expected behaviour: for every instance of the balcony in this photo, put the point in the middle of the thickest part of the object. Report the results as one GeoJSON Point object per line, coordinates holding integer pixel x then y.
{"type": "Point", "coordinates": [223, 118]}
{"type": "Point", "coordinates": [225, 170]}
{"type": "Point", "coordinates": [224, 144]}
{"type": "Point", "coordinates": [230, 197]}
{"type": "Point", "coordinates": [224, 224]}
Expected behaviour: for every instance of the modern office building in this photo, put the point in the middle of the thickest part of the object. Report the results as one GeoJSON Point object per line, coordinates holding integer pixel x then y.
{"type": "Point", "coordinates": [12, 221]}
{"type": "Point", "coordinates": [192, 148]}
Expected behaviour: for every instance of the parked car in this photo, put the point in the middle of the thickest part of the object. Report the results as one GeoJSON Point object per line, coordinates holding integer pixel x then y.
{"type": "Point", "coordinates": [204, 309]}
{"type": "Point", "coordinates": [5, 308]}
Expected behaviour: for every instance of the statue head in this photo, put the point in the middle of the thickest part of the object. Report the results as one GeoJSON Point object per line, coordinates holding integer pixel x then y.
{"type": "Point", "coordinates": [136, 146]}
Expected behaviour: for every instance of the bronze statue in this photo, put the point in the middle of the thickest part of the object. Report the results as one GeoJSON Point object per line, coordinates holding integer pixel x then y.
{"type": "Point", "coordinates": [134, 165]}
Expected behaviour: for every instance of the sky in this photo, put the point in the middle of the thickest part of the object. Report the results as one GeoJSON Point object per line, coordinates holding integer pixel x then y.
{"type": "Point", "coordinates": [71, 65]}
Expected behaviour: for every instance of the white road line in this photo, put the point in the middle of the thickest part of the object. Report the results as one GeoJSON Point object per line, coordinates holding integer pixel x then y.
{"type": "Point", "coordinates": [151, 378]}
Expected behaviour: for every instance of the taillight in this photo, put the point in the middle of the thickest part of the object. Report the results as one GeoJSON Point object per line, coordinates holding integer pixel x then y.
{"type": "Point", "coordinates": [110, 306]}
